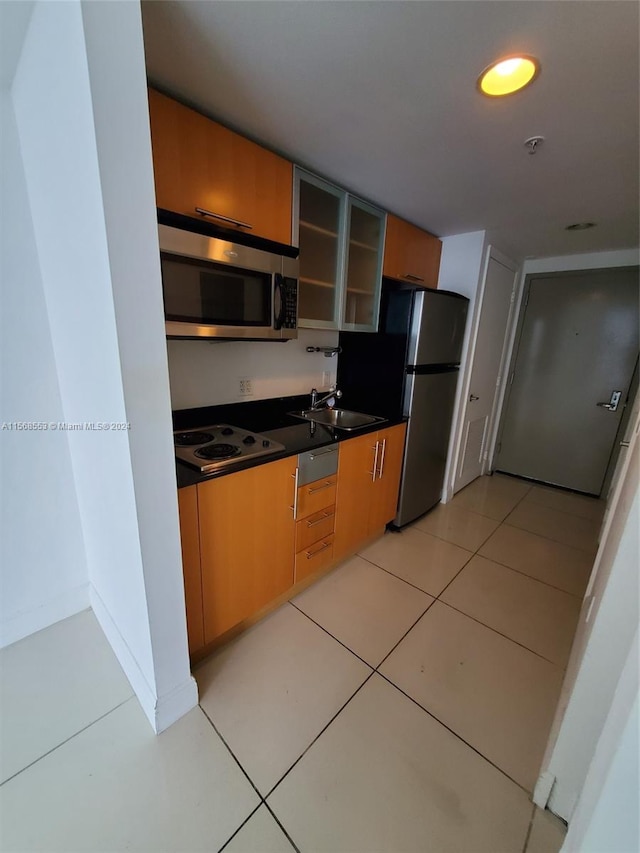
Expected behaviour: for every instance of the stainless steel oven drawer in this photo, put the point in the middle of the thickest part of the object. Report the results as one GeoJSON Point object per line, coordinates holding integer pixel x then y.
{"type": "Point", "coordinates": [315, 464]}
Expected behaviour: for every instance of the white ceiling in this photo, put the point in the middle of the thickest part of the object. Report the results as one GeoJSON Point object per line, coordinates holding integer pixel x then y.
{"type": "Point", "coordinates": [380, 97]}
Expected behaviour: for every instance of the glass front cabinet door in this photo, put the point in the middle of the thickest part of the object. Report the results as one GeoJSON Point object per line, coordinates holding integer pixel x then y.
{"type": "Point", "coordinates": [341, 241]}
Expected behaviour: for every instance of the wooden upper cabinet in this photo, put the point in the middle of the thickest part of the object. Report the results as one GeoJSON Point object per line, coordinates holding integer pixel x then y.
{"type": "Point", "coordinates": [199, 163]}
{"type": "Point", "coordinates": [411, 254]}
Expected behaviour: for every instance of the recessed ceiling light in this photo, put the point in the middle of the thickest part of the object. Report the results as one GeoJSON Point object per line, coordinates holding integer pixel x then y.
{"type": "Point", "coordinates": [508, 75]}
{"type": "Point", "coordinates": [580, 226]}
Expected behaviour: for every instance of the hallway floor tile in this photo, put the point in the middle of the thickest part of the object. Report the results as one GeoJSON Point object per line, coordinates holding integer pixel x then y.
{"type": "Point", "coordinates": [401, 703]}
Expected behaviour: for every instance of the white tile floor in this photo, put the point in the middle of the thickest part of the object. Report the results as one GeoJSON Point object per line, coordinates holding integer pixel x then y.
{"type": "Point", "coordinates": [402, 703]}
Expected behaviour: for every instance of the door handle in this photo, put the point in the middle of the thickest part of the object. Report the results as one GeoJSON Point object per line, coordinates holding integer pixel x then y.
{"type": "Point", "coordinates": [473, 398]}
{"type": "Point", "coordinates": [313, 456]}
{"type": "Point", "coordinates": [381, 468]}
{"type": "Point", "coordinates": [294, 508]}
{"type": "Point", "coordinates": [326, 515]}
{"type": "Point", "coordinates": [222, 218]}
{"type": "Point", "coordinates": [613, 403]}
{"type": "Point", "coordinates": [375, 462]}
{"type": "Point", "coordinates": [320, 488]}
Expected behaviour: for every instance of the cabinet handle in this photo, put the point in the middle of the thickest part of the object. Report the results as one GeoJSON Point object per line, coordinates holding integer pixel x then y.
{"type": "Point", "coordinates": [320, 488]}
{"type": "Point", "coordinates": [313, 456]}
{"type": "Point", "coordinates": [295, 494]}
{"type": "Point", "coordinates": [324, 547]}
{"type": "Point", "coordinates": [320, 520]}
{"type": "Point", "coordinates": [381, 468]}
{"type": "Point", "coordinates": [412, 277]}
{"type": "Point", "coordinates": [237, 222]}
{"type": "Point", "coordinates": [375, 462]}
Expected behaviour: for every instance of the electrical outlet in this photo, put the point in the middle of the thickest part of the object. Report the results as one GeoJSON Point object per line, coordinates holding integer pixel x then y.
{"type": "Point", "coordinates": [326, 378]}
{"type": "Point", "coordinates": [245, 387]}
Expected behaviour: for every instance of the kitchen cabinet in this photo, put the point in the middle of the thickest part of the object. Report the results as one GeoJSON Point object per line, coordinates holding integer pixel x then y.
{"type": "Point", "coordinates": [198, 163]}
{"type": "Point", "coordinates": [190, 540]}
{"type": "Point", "coordinates": [411, 254]}
{"type": "Point", "coordinates": [369, 473]}
{"type": "Point", "coordinates": [340, 239]}
{"type": "Point", "coordinates": [314, 529]}
{"type": "Point", "coordinates": [248, 537]}
{"type": "Point", "coordinates": [247, 540]}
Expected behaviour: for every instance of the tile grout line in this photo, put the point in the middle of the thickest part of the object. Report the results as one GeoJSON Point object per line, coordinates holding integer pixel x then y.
{"type": "Point", "coordinates": [540, 536]}
{"type": "Point", "coordinates": [500, 634]}
{"type": "Point", "coordinates": [233, 755]}
{"type": "Point", "coordinates": [71, 737]}
{"type": "Point", "coordinates": [321, 732]}
{"type": "Point", "coordinates": [326, 631]}
{"type": "Point", "coordinates": [530, 827]}
{"type": "Point", "coordinates": [412, 585]}
{"type": "Point", "coordinates": [551, 509]}
{"type": "Point", "coordinates": [408, 631]}
{"type": "Point", "coordinates": [244, 822]}
{"type": "Point", "coordinates": [281, 825]}
{"type": "Point", "coordinates": [454, 733]}
{"type": "Point", "coordinates": [525, 575]}
{"type": "Point", "coordinates": [477, 554]}
{"type": "Point", "coordinates": [263, 799]}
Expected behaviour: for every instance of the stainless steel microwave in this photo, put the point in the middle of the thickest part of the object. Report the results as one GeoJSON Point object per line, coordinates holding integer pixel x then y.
{"type": "Point", "coordinates": [216, 289]}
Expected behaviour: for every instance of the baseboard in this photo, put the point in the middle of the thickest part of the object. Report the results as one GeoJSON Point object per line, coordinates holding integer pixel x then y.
{"type": "Point", "coordinates": [542, 791]}
{"type": "Point", "coordinates": [176, 704]}
{"type": "Point", "coordinates": [160, 711]}
{"type": "Point", "coordinates": [29, 622]}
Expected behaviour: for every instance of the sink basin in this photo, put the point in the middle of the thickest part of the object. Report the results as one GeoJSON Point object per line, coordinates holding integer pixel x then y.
{"type": "Point", "coordinates": [339, 418]}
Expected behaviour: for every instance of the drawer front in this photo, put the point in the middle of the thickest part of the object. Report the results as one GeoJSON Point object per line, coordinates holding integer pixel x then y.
{"type": "Point", "coordinates": [316, 464]}
{"type": "Point", "coordinates": [313, 559]}
{"type": "Point", "coordinates": [316, 496]}
{"type": "Point", "coordinates": [315, 527]}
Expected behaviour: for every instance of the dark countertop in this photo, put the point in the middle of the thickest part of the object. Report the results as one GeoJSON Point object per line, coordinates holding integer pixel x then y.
{"type": "Point", "coordinates": [270, 418]}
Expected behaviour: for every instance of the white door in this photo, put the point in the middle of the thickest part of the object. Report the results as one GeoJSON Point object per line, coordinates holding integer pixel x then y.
{"type": "Point", "coordinates": [485, 382]}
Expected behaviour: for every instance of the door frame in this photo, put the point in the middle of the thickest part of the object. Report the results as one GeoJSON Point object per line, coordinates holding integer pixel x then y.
{"type": "Point", "coordinates": [457, 432]}
{"type": "Point", "coordinates": [518, 327]}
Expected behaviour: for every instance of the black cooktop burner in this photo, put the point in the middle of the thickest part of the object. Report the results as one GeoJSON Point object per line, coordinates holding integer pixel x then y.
{"type": "Point", "coordinates": [187, 439]}
{"type": "Point", "coordinates": [218, 451]}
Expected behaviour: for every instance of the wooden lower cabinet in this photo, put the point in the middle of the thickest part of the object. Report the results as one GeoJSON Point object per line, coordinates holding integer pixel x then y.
{"type": "Point", "coordinates": [369, 473]}
{"type": "Point", "coordinates": [316, 512]}
{"type": "Point", "coordinates": [384, 495]}
{"type": "Point", "coordinates": [242, 548]}
{"type": "Point", "coordinates": [190, 539]}
{"type": "Point", "coordinates": [247, 540]}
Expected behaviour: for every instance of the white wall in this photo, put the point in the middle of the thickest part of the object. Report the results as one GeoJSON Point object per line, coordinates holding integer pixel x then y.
{"type": "Point", "coordinates": [606, 818]}
{"type": "Point", "coordinates": [206, 374]}
{"type": "Point", "coordinates": [462, 268]}
{"type": "Point", "coordinates": [607, 628]}
{"type": "Point", "coordinates": [80, 100]}
{"type": "Point", "coordinates": [117, 75]}
{"type": "Point", "coordinates": [44, 572]}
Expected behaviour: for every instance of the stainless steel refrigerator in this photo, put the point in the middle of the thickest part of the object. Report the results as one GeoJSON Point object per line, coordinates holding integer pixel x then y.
{"type": "Point", "coordinates": [410, 367]}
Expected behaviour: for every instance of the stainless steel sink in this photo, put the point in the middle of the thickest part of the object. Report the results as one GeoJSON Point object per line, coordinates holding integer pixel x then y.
{"type": "Point", "coordinates": [338, 418]}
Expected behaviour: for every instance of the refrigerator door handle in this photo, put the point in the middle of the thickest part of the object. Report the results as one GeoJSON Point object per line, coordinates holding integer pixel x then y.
{"type": "Point", "coordinates": [381, 468]}
{"type": "Point", "coordinates": [375, 462]}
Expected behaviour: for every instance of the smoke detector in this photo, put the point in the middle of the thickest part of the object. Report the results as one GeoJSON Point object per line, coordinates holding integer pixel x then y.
{"type": "Point", "coordinates": [533, 143]}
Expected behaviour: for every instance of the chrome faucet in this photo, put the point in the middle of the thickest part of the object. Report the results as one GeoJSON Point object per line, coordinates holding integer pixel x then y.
{"type": "Point", "coordinates": [317, 402]}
